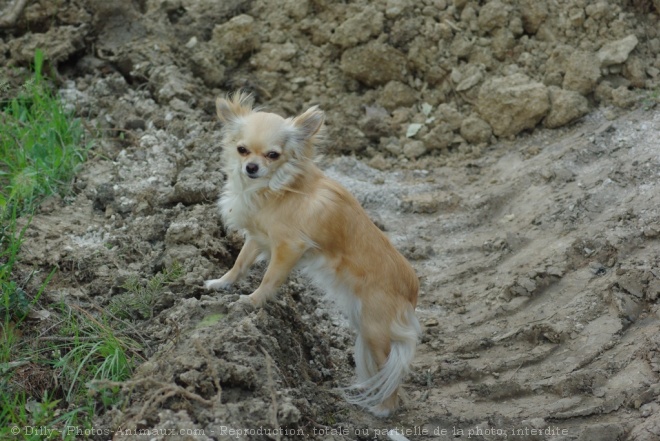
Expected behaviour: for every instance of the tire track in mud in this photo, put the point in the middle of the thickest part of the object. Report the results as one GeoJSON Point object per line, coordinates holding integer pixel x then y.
{"type": "Point", "coordinates": [544, 311]}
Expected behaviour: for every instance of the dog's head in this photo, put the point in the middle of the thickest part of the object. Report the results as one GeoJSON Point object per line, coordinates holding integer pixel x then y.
{"type": "Point", "coordinates": [264, 149]}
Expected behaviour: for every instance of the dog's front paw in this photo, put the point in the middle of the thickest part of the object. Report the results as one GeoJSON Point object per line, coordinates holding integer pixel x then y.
{"type": "Point", "coordinates": [217, 284]}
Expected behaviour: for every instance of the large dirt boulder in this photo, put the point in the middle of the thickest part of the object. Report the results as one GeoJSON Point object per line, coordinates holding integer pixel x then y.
{"type": "Point", "coordinates": [513, 103]}
{"type": "Point", "coordinates": [374, 63]}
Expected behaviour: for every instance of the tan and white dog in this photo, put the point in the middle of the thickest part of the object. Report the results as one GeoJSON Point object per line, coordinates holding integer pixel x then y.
{"type": "Point", "coordinates": [296, 217]}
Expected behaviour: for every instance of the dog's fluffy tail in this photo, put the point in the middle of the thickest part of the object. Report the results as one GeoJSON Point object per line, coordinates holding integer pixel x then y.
{"type": "Point", "coordinates": [374, 386]}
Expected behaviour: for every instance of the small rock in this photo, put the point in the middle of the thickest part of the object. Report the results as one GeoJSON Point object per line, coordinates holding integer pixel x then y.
{"type": "Point", "coordinates": [461, 47]}
{"type": "Point", "coordinates": [376, 123]}
{"type": "Point", "coordinates": [472, 75]}
{"type": "Point", "coordinates": [440, 137]}
{"type": "Point", "coordinates": [597, 268]}
{"type": "Point", "coordinates": [554, 271]}
{"type": "Point", "coordinates": [395, 8]}
{"type": "Point", "coordinates": [626, 306]}
{"type": "Point", "coordinates": [603, 92]}
{"type": "Point", "coordinates": [195, 185]}
{"type": "Point", "coordinates": [414, 149]}
{"type": "Point", "coordinates": [565, 106]}
{"type": "Point", "coordinates": [413, 129]}
{"type": "Point", "coordinates": [624, 98]}
{"type": "Point", "coordinates": [527, 283]}
{"type": "Point", "coordinates": [379, 163]}
{"type": "Point", "coordinates": [449, 114]}
{"type": "Point", "coordinates": [513, 103]}
{"type": "Point", "coordinates": [533, 14]}
{"type": "Point", "coordinates": [632, 284]}
{"type": "Point", "coordinates": [425, 203]}
{"type": "Point", "coordinates": [493, 15]}
{"type": "Point", "coordinates": [170, 83]}
{"type": "Point", "coordinates": [651, 231]}
{"type": "Point", "coordinates": [396, 94]}
{"type": "Point", "coordinates": [358, 28]}
{"type": "Point", "coordinates": [597, 10]}
{"type": "Point", "coordinates": [274, 57]}
{"type": "Point", "coordinates": [616, 52]}
{"type": "Point", "coordinates": [635, 71]}
{"type": "Point", "coordinates": [288, 414]}
{"type": "Point", "coordinates": [58, 43]}
{"type": "Point", "coordinates": [374, 63]}
{"type": "Point", "coordinates": [391, 145]}
{"type": "Point", "coordinates": [475, 130]}
{"type": "Point", "coordinates": [191, 377]}
{"type": "Point", "coordinates": [236, 38]}
{"type": "Point", "coordinates": [582, 72]}
{"type": "Point", "coordinates": [183, 232]}
{"type": "Point", "coordinates": [653, 290]}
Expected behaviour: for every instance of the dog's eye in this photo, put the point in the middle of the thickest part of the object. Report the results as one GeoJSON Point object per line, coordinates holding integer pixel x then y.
{"type": "Point", "coordinates": [242, 150]}
{"type": "Point", "coordinates": [272, 155]}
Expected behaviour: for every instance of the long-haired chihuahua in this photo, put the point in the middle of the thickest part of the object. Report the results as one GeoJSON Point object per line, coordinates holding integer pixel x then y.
{"type": "Point", "coordinates": [296, 217]}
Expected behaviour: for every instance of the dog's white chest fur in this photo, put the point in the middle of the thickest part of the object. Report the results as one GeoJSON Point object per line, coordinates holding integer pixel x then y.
{"type": "Point", "coordinates": [238, 207]}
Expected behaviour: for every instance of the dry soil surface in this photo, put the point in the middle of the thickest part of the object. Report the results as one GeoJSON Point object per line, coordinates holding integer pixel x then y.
{"type": "Point", "coordinates": [537, 254]}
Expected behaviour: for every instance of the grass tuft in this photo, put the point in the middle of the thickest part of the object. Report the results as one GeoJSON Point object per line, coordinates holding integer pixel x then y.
{"type": "Point", "coordinates": [140, 298]}
{"type": "Point", "coordinates": [41, 146]}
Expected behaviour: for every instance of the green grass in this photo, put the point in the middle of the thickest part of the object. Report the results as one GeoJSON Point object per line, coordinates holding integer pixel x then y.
{"type": "Point", "coordinates": [40, 149]}
{"type": "Point", "coordinates": [41, 146]}
{"type": "Point", "coordinates": [14, 301]}
{"type": "Point", "coordinates": [84, 349]}
{"type": "Point", "coordinates": [91, 351]}
{"type": "Point", "coordinates": [140, 298]}
{"type": "Point", "coordinates": [651, 99]}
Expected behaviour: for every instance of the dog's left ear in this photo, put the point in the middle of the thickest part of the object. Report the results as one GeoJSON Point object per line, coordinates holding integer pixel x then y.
{"type": "Point", "coordinates": [309, 123]}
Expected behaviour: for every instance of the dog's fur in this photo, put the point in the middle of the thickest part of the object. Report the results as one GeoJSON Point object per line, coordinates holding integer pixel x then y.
{"type": "Point", "coordinates": [296, 217]}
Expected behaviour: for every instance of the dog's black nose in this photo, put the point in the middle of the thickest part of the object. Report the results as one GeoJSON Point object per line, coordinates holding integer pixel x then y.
{"type": "Point", "coordinates": [251, 168]}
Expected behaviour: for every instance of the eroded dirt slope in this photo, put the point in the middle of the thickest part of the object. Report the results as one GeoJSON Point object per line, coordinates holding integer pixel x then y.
{"type": "Point", "coordinates": [538, 255]}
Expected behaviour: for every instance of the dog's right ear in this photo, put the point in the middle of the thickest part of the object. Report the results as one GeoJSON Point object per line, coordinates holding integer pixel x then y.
{"type": "Point", "coordinates": [309, 123]}
{"type": "Point", "coordinates": [231, 108]}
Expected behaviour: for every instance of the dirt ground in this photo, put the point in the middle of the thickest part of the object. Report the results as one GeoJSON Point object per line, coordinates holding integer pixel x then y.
{"type": "Point", "coordinates": [536, 248]}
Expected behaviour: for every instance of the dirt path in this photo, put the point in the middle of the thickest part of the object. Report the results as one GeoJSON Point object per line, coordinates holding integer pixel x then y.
{"type": "Point", "coordinates": [540, 296]}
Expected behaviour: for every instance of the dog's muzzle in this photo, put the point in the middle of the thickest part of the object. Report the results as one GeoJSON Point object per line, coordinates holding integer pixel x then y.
{"type": "Point", "coordinates": [252, 170]}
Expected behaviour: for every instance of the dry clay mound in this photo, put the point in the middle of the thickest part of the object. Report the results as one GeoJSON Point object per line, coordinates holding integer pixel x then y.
{"type": "Point", "coordinates": [537, 258]}
{"type": "Point", "coordinates": [400, 79]}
